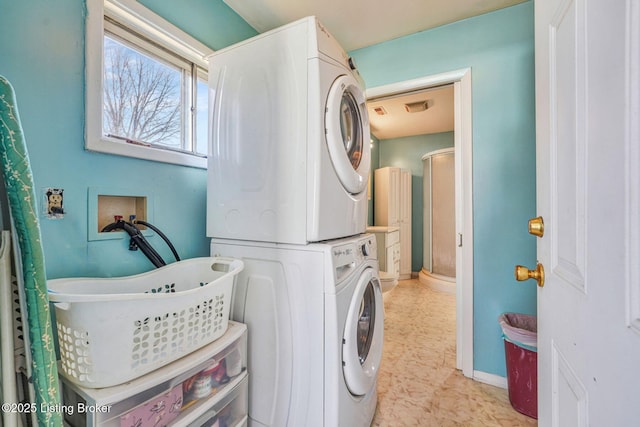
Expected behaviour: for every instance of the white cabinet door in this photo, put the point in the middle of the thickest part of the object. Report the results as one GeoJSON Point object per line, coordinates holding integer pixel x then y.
{"type": "Point", "coordinates": [588, 192]}
{"type": "Point", "coordinates": [405, 224]}
{"type": "Point", "coordinates": [389, 260]}
{"type": "Point", "coordinates": [392, 207]}
{"type": "Point", "coordinates": [387, 196]}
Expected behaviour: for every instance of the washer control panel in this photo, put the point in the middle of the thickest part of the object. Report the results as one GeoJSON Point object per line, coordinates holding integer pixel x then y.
{"type": "Point", "coordinates": [350, 255]}
{"type": "Point", "coordinates": [367, 247]}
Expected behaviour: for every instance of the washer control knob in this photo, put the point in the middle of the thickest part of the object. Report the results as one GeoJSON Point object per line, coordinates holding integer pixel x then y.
{"type": "Point", "coordinates": [365, 249]}
{"type": "Point", "coordinates": [352, 64]}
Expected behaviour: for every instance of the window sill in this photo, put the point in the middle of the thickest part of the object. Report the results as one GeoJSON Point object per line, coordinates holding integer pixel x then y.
{"type": "Point", "coordinates": [146, 153]}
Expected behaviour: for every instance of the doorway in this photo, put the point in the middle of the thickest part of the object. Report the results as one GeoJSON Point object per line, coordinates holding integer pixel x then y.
{"type": "Point", "coordinates": [461, 80]}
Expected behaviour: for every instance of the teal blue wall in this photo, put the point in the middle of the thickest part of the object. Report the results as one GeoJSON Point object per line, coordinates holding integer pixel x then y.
{"type": "Point", "coordinates": [42, 55]}
{"type": "Point", "coordinates": [499, 48]}
{"type": "Point", "coordinates": [406, 153]}
{"type": "Point", "coordinates": [210, 21]}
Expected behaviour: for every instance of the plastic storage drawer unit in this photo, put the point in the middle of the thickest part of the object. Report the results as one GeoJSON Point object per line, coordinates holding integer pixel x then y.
{"type": "Point", "coordinates": [204, 387]}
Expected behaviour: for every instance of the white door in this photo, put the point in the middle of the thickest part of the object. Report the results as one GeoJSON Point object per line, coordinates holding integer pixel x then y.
{"type": "Point", "coordinates": [587, 97]}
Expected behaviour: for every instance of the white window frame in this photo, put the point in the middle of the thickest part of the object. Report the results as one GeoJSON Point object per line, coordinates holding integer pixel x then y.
{"type": "Point", "coordinates": [133, 15]}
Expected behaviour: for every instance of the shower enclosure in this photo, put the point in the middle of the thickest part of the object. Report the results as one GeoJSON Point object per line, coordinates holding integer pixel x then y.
{"type": "Point", "coordinates": [439, 240]}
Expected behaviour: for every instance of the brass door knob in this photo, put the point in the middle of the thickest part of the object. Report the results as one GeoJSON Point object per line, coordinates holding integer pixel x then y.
{"type": "Point", "coordinates": [536, 226]}
{"type": "Point", "coordinates": [523, 273]}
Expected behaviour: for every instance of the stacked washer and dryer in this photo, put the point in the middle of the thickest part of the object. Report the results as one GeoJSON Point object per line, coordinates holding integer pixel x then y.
{"type": "Point", "coordinates": [289, 163]}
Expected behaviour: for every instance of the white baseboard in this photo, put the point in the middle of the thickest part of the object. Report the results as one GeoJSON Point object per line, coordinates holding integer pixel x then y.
{"type": "Point", "coordinates": [490, 379]}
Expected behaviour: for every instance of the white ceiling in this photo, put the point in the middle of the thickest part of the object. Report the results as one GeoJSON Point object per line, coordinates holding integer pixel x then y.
{"type": "Point", "coordinates": [397, 122]}
{"type": "Point", "coordinates": [360, 23]}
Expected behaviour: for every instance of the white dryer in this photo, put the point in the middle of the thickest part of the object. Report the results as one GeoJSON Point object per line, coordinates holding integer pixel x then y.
{"type": "Point", "coordinates": [289, 138]}
{"type": "Point", "coordinates": [315, 319]}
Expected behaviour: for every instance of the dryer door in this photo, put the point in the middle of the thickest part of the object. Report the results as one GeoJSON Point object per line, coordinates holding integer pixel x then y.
{"type": "Point", "coordinates": [348, 134]}
{"type": "Point", "coordinates": [363, 333]}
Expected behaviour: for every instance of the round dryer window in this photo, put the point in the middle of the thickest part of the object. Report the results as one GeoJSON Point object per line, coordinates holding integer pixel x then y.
{"type": "Point", "coordinates": [348, 133]}
{"type": "Point", "coordinates": [362, 343]}
{"type": "Point", "coordinates": [350, 129]}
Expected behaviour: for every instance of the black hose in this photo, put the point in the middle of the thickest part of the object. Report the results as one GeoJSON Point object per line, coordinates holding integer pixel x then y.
{"type": "Point", "coordinates": [112, 226]}
{"type": "Point", "coordinates": [148, 251]}
{"type": "Point", "coordinates": [143, 244]}
{"type": "Point", "coordinates": [161, 234]}
{"type": "Point", "coordinates": [138, 240]}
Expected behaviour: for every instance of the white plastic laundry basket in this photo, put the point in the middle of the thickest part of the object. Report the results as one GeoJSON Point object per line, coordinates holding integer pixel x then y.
{"type": "Point", "coordinates": [113, 330]}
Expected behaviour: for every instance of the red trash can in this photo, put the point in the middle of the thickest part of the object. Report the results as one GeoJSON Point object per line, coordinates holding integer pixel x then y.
{"type": "Point", "coordinates": [520, 334]}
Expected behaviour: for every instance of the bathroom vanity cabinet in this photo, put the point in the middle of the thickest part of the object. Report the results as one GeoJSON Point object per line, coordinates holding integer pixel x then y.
{"type": "Point", "coordinates": [388, 243]}
{"type": "Point", "coordinates": [392, 207]}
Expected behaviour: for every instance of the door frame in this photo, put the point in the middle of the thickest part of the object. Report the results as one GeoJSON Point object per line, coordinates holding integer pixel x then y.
{"type": "Point", "coordinates": [463, 145]}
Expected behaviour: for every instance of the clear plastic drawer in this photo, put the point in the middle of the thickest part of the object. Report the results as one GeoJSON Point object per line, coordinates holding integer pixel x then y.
{"type": "Point", "coordinates": [176, 394]}
{"type": "Point", "coordinates": [230, 411]}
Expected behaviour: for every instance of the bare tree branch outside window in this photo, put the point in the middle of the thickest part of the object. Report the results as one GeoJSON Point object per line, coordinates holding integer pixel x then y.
{"type": "Point", "coordinates": [141, 97]}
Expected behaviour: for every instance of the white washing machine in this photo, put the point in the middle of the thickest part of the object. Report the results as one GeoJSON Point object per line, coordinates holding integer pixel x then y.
{"type": "Point", "coordinates": [315, 320]}
{"type": "Point", "coordinates": [289, 139]}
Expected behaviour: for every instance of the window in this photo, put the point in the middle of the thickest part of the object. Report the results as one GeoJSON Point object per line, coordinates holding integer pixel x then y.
{"type": "Point", "coordinates": [147, 91]}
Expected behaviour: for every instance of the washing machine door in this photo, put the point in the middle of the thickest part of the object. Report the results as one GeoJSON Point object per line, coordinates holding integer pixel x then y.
{"type": "Point", "coordinates": [348, 133]}
{"type": "Point", "coordinates": [363, 333]}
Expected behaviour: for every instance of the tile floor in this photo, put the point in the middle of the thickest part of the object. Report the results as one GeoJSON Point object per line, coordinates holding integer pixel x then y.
{"type": "Point", "coordinates": [418, 384]}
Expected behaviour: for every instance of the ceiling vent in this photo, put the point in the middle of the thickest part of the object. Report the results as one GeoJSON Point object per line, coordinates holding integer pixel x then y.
{"type": "Point", "coordinates": [416, 107]}
{"type": "Point", "coordinates": [380, 110]}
